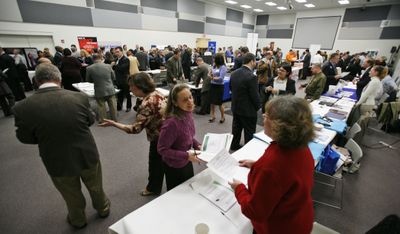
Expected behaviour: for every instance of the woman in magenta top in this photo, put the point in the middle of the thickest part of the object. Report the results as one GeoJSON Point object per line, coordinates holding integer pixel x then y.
{"type": "Point", "coordinates": [278, 197]}
{"type": "Point", "coordinates": [177, 137]}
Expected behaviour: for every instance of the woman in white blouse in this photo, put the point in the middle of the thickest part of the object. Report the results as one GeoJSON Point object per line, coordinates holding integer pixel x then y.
{"type": "Point", "coordinates": [372, 89]}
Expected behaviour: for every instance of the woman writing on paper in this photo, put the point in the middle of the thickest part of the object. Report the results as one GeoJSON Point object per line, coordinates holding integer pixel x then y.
{"type": "Point", "coordinates": [177, 137]}
{"type": "Point", "coordinates": [149, 117]}
{"type": "Point", "coordinates": [278, 197]}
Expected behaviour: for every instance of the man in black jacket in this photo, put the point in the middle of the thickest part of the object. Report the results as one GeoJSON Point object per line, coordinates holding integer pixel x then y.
{"type": "Point", "coordinates": [121, 68]}
{"type": "Point", "coordinates": [7, 65]}
{"type": "Point", "coordinates": [306, 64]}
{"type": "Point", "coordinates": [329, 70]}
{"type": "Point", "coordinates": [245, 101]}
{"type": "Point", "coordinates": [365, 78]}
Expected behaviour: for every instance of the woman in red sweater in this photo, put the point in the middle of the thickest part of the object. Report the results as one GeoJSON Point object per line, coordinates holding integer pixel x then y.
{"type": "Point", "coordinates": [278, 197]}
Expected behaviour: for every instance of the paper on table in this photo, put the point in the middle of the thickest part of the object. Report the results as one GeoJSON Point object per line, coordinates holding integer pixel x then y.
{"type": "Point", "coordinates": [261, 136]}
{"type": "Point", "coordinates": [219, 195]}
{"type": "Point", "coordinates": [236, 217]}
{"type": "Point", "coordinates": [225, 166]}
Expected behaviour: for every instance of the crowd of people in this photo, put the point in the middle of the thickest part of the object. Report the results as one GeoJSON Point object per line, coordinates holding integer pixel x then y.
{"type": "Point", "coordinates": [278, 196]}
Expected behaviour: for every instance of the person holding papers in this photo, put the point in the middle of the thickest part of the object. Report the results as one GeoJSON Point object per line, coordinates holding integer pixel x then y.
{"type": "Point", "coordinates": [372, 89]}
{"type": "Point", "coordinates": [177, 137]}
{"type": "Point", "coordinates": [278, 197]}
{"type": "Point", "coordinates": [149, 117]}
{"type": "Point", "coordinates": [282, 84]}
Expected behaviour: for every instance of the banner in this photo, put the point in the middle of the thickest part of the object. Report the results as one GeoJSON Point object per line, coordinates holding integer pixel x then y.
{"type": "Point", "coordinates": [87, 43]}
{"type": "Point", "coordinates": [212, 46]}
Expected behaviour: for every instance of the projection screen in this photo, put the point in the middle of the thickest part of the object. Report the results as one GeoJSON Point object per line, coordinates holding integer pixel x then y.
{"type": "Point", "coordinates": [316, 30]}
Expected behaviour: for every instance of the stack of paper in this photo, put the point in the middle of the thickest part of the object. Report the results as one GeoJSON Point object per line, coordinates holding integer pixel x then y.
{"type": "Point", "coordinates": [213, 143]}
{"type": "Point", "coordinates": [227, 167]}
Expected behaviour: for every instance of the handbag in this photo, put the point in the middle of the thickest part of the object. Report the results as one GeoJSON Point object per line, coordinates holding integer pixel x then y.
{"type": "Point", "coordinates": [327, 164]}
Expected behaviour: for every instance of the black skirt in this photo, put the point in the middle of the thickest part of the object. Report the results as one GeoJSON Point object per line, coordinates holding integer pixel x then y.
{"type": "Point", "coordinates": [216, 94]}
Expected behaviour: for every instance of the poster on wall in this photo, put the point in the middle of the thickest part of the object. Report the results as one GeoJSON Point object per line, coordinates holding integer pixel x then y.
{"type": "Point", "coordinates": [109, 44]}
{"type": "Point", "coordinates": [212, 46]}
{"type": "Point", "coordinates": [32, 55]}
{"type": "Point", "coordinates": [88, 43]}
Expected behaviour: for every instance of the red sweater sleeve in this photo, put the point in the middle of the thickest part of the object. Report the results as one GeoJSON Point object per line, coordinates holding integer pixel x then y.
{"type": "Point", "coordinates": [266, 193]}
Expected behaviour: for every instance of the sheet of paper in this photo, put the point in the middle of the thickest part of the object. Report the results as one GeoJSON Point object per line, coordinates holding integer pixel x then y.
{"type": "Point", "coordinates": [225, 166]}
{"type": "Point", "coordinates": [261, 136]}
{"type": "Point", "coordinates": [235, 216]}
{"type": "Point", "coordinates": [213, 144]}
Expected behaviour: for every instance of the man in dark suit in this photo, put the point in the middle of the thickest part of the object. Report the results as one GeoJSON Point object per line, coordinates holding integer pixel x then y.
{"type": "Point", "coordinates": [7, 99]}
{"type": "Point", "coordinates": [365, 78]}
{"type": "Point", "coordinates": [58, 121]}
{"type": "Point", "coordinates": [203, 74]}
{"type": "Point", "coordinates": [329, 70]}
{"type": "Point", "coordinates": [306, 64]}
{"type": "Point", "coordinates": [245, 101]}
{"type": "Point", "coordinates": [7, 65]}
{"type": "Point", "coordinates": [58, 56]}
{"type": "Point", "coordinates": [121, 68]}
{"type": "Point", "coordinates": [239, 60]}
{"type": "Point", "coordinates": [174, 68]}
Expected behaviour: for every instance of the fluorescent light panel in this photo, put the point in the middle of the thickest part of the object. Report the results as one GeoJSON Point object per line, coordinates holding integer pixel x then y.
{"type": "Point", "coordinates": [258, 10]}
{"type": "Point", "coordinates": [282, 8]}
{"type": "Point", "coordinates": [343, 2]}
{"type": "Point", "coordinates": [301, 1]}
{"type": "Point", "coordinates": [309, 5]}
{"type": "Point", "coordinates": [231, 2]}
{"type": "Point", "coordinates": [245, 6]}
{"type": "Point", "coordinates": [270, 3]}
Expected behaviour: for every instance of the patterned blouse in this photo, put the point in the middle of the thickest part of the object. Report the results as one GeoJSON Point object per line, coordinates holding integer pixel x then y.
{"type": "Point", "coordinates": [149, 115]}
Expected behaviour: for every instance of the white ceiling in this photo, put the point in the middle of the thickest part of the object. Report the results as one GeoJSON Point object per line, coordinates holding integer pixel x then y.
{"type": "Point", "coordinates": [319, 4]}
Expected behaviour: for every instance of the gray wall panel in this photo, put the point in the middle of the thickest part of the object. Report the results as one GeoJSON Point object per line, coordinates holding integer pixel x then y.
{"type": "Point", "coordinates": [280, 33]}
{"type": "Point", "coordinates": [215, 29]}
{"type": "Point", "coordinates": [394, 12]}
{"type": "Point", "coordinates": [233, 15]}
{"type": "Point", "coordinates": [190, 26]}
{"type": "Point", "coordinates": [390, 33]}
{"type": "Point", "coordinates": [368, 14]}
{"type": "Point", "coordinates": [363, 24]}
{"type": "Point", "coordinates": [245, 31]}
{"type": "Point", "coordinates": [116, 19]}
{"type": "Point", "coordinates": [233, 24]}
{"type": "Point", "coordinates": [32, 12]}
{"type": "Point", "coordinates": [170, 5]}
{"type": "Point", "coordinates": [158, 12]}
{"type": "Point", "coordinates": [262, 19]}
{"type": "Point", "coordinates": [192, 7]}
{"type": "Point", "coordinates": [248, 26]}
{"type": "Point", "coordinates": [215, 21]}
{"type": "Point", "coordinates": [115, 6]}
{"type": "Point", "coordinates": [262, 33]}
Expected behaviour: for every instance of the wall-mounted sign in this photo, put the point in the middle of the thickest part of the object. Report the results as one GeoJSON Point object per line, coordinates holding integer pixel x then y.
{"type": "Point", "coordinates": [88, 43]}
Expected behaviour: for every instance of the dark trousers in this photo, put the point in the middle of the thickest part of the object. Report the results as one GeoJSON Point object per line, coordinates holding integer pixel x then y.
{"type": "Point", "coordinates": [156, 169]}
{"type": "Point", "coordinates": [124, 93]}
{"type": "Point", "coordinates": [70, 189]}
{"type": "Point", "coordinates": [176, 176]}
{"type": "Point", "coordinates": [6, 102]}
{"type": "Point", "coordinates": [239, 123]}
{"type": "Point", "coordinates": [263, 96]}
{"type": "Point", "coordinates": [205, 103]}
{"type": "Point", "coordinates": [305, 72]}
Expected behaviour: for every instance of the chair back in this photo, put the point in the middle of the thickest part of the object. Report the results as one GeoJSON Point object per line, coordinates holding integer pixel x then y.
{"type": "Point", "coordinates": [355, 149]}
{"type": "Point", "coordinates": [356, 128]}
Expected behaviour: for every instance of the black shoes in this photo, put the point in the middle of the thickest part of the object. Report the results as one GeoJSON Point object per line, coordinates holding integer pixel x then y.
{"type": "Point", "coordinates": [75, 226]}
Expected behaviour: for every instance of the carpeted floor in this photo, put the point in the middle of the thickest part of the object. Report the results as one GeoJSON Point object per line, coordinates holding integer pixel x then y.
{"type": "Point", "coordinates": [31, 204]}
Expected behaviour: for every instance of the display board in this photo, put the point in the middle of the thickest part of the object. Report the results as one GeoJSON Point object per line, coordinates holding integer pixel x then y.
{"type": "Point", "coordinates": [316, 30]}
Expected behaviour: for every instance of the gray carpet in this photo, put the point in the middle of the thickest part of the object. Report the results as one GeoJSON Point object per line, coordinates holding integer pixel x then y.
{"type": "Point", "coordinates": [31, 204]}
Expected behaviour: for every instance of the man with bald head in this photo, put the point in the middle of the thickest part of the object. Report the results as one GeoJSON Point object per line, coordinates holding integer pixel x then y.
{"type": "Point", "coordinates": [58, 121]}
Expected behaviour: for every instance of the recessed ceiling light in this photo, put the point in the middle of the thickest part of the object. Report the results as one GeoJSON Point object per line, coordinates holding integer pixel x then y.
{"type": "Point", "coordinates": [270, 3]}
{"type": "Point", "coordinates": [301, 1]}
{"type": "Point", "coordinates": [282, 8]}
{"type": "Point", "coordinates": [343, 2]}
{"type": "Point", "coordinates": [258, 10]}
{"type": "Point", "coordinates": [231, 2]}
{"type": "Point", "coordinates": [309, 5]}
{"type": "Point", "coordinates": [245, 6]}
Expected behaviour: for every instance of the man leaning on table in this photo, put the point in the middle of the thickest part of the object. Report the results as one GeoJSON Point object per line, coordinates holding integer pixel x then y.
{"type": "Point", "coordinates": [58, 121]}
{"type": "Point", "coordinates": [316, 85]}
{"type": "Point", "coordinates": [103, 77]}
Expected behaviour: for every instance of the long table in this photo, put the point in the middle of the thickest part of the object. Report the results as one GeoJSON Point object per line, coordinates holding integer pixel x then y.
{"type": "Point", "coordinates": [181, 209]}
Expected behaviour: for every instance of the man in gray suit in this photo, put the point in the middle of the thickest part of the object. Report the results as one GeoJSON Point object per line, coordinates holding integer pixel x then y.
{"type": "Point", "coordinates": [174, 68]}
{"type": "Point", "coordinates": [203, 73]}
{"type": "Point", "coordinates": [102, 75]}
{"type": "Point", "coordinates": [58, 121]}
